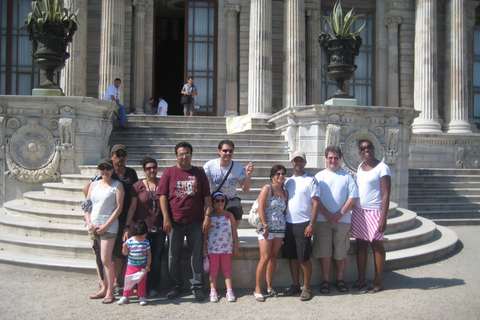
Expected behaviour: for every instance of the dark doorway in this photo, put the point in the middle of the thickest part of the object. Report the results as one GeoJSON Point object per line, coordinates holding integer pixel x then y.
{"type": "Point", "coordinates": [169, 59]}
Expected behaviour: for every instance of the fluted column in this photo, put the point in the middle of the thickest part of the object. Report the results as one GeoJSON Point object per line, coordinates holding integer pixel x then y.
{"type": "Point", "coordinates": [381, 55]}
{"type": "Point", "coordinates": [314, 58]}
{"type": "Point", "coordinates": [138, 83]}
{"type": "Point", "coordinates": [112, 45]}
{"type": "Point", "coordinates": [260, 59]}
{"type": "Point", "coordinates": [455, 82]}
{"type": "Point", "coordinates": [73, 79]}
{"type": "Point", "coordinates": [425, 91]}
{"type": "Point", "coordinates": [231, 91]}
{"type": "Point", "coordinates": [393, 80]}
{"type": "Point", "coordinates": [294, 82]}
{"type": "Point", "coordinates": [148, 65]}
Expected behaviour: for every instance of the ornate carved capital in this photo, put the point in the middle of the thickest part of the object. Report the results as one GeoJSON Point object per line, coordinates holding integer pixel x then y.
{"type": "Point", "coordinates": [392, 22]}
{"type": "Point", "coordinates": [231, 11]}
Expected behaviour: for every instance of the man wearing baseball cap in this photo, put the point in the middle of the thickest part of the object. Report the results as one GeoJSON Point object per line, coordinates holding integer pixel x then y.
{"type": "Point", "coordinates": [127, 176]}
{"type": "Point", "coordinates": [302, 212]}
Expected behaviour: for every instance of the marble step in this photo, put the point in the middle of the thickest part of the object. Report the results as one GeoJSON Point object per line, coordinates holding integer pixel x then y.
{"type": "Point", "coordinates": [444, 184]}
{"type": "Point", "coordinates": [449, 213]}
{"type": "Point", "coordinates": [435, 206]}
{"type": "Point", "coordinates": [50, 215]}
{"type": "Point", "coordinates": [169, 155]}
{"type": "Point", "coordinates": [443, 178]}
{"type": "Point", "coordinates": [198, 142]}
{"type": "Point", "coordinates": [41, 200]}
{"type": "Point", "coordinates": [443, 198]}
{"type": "Point", "coordinates": [443, 242]}
{"type": "Point", "coordinates": [443, 172]}
{"type": "Point", "coordinates": [416, 192]}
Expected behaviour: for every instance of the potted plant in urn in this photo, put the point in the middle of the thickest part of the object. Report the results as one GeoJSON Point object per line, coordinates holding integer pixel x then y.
{"type": "Point", "coordinates": [340, 46]}
{"type": "Point", "coordinates": [51, 28]}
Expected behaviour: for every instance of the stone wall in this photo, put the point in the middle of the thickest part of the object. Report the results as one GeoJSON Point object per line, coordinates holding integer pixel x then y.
{"type": "Point", "coordinates": [43, 137]}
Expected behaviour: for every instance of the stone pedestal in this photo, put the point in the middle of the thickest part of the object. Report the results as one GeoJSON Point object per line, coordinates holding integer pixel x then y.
{"type": "Point", "coordinates": [44, 137]}
{"type": "Point", "coordinates": [313, 128]}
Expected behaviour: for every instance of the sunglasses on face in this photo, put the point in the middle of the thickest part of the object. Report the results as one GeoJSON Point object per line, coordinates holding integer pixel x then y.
{"type": "Point", "coordinates": [181, 155]}
{"type": "Point", "coordinates": [102, 168]}
{"type": "Point", "coordinates": [369, 147]}
{"type": "Point", "coordinates": [227, 151]}
{"type": "Point", "coordinates": [280, 173]}
{"type": "Point", "coordinates": [151, 168]}
{"type": "Point", "coordinates": [121, 155]}
{"type": "Point", "coordinates": [219, 200]}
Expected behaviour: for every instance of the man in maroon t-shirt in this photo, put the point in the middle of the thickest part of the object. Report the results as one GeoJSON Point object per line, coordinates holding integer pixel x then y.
{"type": "Point", "coordinates": [186, 204]}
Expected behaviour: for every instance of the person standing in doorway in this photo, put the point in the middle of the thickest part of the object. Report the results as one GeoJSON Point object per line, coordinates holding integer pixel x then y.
{"type": "Point", "coordinates": [189, 89]}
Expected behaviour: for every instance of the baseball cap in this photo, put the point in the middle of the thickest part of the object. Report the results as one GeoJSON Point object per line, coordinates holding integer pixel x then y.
{"type": "Point", "coordinates": [117, 147]}
{"type": "Point", "coordinates": [298, 153]}
{"type": "Point", "coordinates": [106, 161]}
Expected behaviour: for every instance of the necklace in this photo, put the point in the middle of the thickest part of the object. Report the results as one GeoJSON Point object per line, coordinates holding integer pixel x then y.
{"type": "Point", "coordinates": [152, 194]}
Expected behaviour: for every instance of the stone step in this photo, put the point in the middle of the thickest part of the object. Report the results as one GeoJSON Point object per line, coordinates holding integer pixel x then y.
{"type": "Point", "coordinates": [181, 119]}
{"type": "Point", "coordinates": [443, 242]}
{"type": "Point", "coordinates": [444, 198]}
{"type": "Point", "coordinates": [214, 135]}
{"type": "Point", "coordinates": [444, 184]}
{"type": "Point", "coordinates": [197, 142]}
{"type": "Point", "coordinates": [422, 232]}
{"type": "Point", "coordinates": [168, 155]}
{"type": "Point", "coordinates": [23, 226]}
{"type": "Point", "coordinates": [443, 172]}
{"type": "Point", "coordinates": [41, 200]}
{"type": "Point", "coordinates": [440, 179]}
{"type": "Point", "coordinates": [436, 206]}
{"type": "Point", "coordinates": [448, 213]}
{"type": "Point", "coordinates": [62, 189]}
{"type": "Point", "coordinates": [50, 215]}
{"type": "Point", "coordinates": [76, 179]}
{"type": "Point", "coordinates": [413, 192]}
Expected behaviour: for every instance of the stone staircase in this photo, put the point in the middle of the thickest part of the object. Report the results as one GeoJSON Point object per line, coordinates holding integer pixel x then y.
{"type": "Point", "coordinates": [446, 196]}
{"type": "Point", "coordinates": [44, 230]}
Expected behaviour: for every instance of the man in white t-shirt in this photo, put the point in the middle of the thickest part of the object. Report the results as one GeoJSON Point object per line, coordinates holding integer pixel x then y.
{"type": "Point", "coordinates": [338, 193]}
{"type": "Point", "coordinates": [113, 93]}
{"type": "Point", "coordinates": [162, 107]}
{"type": "Point", "coordinates": [216, 170]}
{"type": "Point", "coordinates": [302, 211]}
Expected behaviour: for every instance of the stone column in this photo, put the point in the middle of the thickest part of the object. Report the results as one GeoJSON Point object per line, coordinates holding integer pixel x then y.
{"type": "Point", "coordinates": [381, 57]}
{"type": "Point", "coordinates": [148, 65]}
{"type": "Point", "coordinates": [425, 90]}
{"type": "Point", "coordinates": [73, 79]}
{"type": "Point", "coordinates": [393, 85]}
{"type": "Point", "coordinates": [112, 45]}
{"type": "Point", "coordinates": [314, 58]}
{"type": "Point", "coordinates": [260, 59]}
{"type": "Point", "coordinates": [456, 105]}
{"type": "Point", "coordinates": [294, 82]}
{"type": "Point", "coordinates": [231, 90]}
{"type": "Point", "coordinates": [138, 83]}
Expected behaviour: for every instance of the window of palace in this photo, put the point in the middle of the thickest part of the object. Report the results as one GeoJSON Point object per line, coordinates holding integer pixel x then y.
{"type": "Point", "coordinates": [18, 73]}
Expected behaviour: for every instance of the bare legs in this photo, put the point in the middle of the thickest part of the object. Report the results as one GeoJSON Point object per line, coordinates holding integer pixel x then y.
{"type": "Point", "coordinates": [268, 260]}
{"type": "Point", "coordinates": [379, 256]}
{"type": "Point", "coordinates": [106, 249]}
{"type": "Point", "coordinates": [306, 271]}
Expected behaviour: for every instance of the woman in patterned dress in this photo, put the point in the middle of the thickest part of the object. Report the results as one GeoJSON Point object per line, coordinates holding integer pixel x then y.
{"type": "Point", "coordinates": [272, 202]}
{"type": "Point", "coordinates": [369, 218]}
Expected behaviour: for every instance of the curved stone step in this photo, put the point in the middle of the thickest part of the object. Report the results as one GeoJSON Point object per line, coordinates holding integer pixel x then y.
{"type": "Point", "coordinates": [422, 232]}
{"type": "Point", "coordinates": [443, 243]}
{"type": "Point", "coordinates": [42, 200]}
{"type": "Point", "coordinates": [58, 189]}
{"type": "Point", "coordinates": [19, 208]}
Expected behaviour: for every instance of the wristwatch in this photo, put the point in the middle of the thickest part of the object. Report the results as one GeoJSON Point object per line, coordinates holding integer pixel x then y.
{"type": "Point", "coordinates": [343, 213]}
{"type": "Point", "coordinates": [208, 215]}
{"type": "Point", "coordinates": [265, 226]}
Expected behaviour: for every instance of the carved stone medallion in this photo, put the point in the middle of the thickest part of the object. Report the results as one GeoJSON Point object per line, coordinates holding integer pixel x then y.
{"type": "Point", "coordinates": [351, 153]}
{"type": "Point", "coordinates": [32, 147]}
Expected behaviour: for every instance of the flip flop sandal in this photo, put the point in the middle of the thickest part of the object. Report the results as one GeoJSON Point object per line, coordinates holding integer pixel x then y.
{"type": "Point", "coordinates": [108, 300]}
{"type": "Point", "coordinates": [341, 286]}
{"type": "Point", "coordinates": [325, 287]}
{"type": "Point", "coordinates": [306, 295]}
{"type": "Point", "coordinates": [359, 286]}
{"type": "Point", "coordinates": [374, 289]}
{"type": "Point", "coordinates": [272, 293]}
{"type": "Point", "coordinates": [97, 296]}
{"type": "Point", "coordinates": [294, 289]}
{"type": "Point", "coordinates": [259, 297]}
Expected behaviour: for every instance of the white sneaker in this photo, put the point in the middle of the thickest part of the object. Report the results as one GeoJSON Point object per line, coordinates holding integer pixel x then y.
{"type": "Point", "coordinates": [213, 297]}
{"type": "Point", "coordinates": [143, 301]}
{"type": "Point", "coordinates": [231, 297]}
{"type": "Point", "coordinates": [123, 300]}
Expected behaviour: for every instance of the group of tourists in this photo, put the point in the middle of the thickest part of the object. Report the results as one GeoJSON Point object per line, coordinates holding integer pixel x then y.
{"type": "Point", "coordinates": [128, 221]}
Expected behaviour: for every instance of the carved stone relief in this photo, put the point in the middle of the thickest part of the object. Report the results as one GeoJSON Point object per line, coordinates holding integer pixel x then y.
{"type": "Point", "coordinates": [460, 157]}
{"type": "Point", "coordinates": [333, 135]}
{"type": "Point", "coordinates": [32, 154]}
{"type": "Point", "coordinates": [391, 146]}
{"type": "Point", "coordinates": [291, 134]}
{"type": "Point", "coordinates": [472, 160]}
{"type": "Point", "coordinates": [351, 153]}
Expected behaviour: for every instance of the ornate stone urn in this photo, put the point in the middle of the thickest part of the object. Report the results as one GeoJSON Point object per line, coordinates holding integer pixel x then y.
{"type": "Point", "coordinates": [341, 46]}
{"type": "Point", "coordinates": [50, 49]}
{"type": "Point", "coordinates": [340, 54]}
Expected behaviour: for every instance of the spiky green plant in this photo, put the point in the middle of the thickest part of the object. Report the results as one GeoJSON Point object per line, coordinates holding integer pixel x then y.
{"type": "Point", "coordinates": [337, 26]}
{"type": "Point", "coordinates": [50, 12]}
